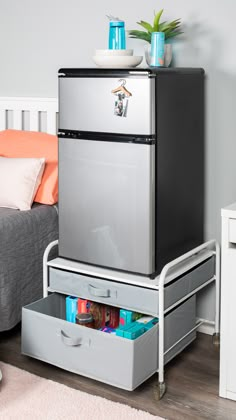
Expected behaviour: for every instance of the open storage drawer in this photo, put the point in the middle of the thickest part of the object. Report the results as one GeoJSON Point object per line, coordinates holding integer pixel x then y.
{"type": "Point", "coordinates": [129, 296]}
{"type": "Point", "coordinates": [47, 336]}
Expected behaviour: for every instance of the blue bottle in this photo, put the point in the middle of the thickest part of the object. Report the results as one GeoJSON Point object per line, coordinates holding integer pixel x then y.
{"type": "Point", "coordinates": [157, 49]}
{"type": "Point", "coordinates": [117, 35]}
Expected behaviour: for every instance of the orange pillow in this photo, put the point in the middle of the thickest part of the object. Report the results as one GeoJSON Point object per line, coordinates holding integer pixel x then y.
{"type": "Point", "coordinates": [25, 144]}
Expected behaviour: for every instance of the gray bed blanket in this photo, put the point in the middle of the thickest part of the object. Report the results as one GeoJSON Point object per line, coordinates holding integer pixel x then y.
{"type": "Point", "coordinates": [24, 236]}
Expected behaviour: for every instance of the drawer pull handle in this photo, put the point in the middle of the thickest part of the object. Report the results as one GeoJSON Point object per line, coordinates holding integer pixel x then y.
{"type": "Point", "coordinates": [71, 341]}
{"type": "Point", "coordinates": [95, 291]}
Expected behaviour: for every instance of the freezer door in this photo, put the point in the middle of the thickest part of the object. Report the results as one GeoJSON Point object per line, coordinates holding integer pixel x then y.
{"type": "Point", "coordinates": [106, 206]}
{"type": "Point", "coordinates": [88, 104]}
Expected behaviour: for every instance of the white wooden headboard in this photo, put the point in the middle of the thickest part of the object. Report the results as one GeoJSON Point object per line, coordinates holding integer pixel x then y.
{"type": "Point", "coordinates": [15, 109]}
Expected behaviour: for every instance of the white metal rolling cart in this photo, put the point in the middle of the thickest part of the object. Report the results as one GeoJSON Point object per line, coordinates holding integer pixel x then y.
{"type": "Point", "coordinates": [165, 296]}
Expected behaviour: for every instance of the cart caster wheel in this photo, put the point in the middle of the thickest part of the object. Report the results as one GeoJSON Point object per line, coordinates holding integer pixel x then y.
{"type": "Point", "coordinates": [160, 390]}
{"type": "Point", "coordinates": [216, 339]}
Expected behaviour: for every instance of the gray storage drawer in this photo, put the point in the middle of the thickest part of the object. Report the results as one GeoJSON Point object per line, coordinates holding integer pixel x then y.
{"type": "Point", "coordinates": [131, 297]}
{"type": "Point", "coordinates": [114, 360]}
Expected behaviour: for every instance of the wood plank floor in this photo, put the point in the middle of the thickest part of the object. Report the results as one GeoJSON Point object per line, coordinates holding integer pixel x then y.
{"type": "Point", "coordinates": [192, 380]}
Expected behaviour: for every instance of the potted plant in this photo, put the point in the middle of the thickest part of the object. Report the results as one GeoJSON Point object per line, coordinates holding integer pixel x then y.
{"type": "Point", "coordinates": [171, 29]}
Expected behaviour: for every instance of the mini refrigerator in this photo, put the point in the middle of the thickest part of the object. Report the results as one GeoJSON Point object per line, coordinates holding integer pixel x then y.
{"type": "Point", "coordinates": [131, 166]}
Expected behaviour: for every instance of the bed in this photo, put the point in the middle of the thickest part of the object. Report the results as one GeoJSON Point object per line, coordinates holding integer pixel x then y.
{"type": "Point", "coordinates": [24, 235]}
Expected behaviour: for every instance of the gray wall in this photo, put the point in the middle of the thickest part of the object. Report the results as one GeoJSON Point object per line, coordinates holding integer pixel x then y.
{"type": "Point", "coordinates": [39, 37]}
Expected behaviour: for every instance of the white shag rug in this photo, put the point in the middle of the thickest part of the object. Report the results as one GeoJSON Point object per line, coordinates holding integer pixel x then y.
{"type": "Point", "coordinates": [24, 396]}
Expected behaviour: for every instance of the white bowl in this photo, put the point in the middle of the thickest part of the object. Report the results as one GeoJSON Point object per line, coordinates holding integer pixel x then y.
{"type": "Point", "coordinates": [117, 61]}
{"type": "Point", "coordinates": [114, 52]}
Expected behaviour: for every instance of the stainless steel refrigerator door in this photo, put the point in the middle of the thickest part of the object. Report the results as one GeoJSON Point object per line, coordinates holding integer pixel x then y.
{"type": "Point", "coordinates": [87, 104]}
{"type": "Point", "coordinates": [106, 206]}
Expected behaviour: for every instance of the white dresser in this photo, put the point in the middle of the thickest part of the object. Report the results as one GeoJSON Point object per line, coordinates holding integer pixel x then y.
{"type": "Point", "coordinates": [228, 304]}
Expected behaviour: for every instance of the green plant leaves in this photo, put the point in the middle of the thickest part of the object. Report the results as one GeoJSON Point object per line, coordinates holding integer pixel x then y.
{"type": "Point", "coordinates": [172, 34]}
{"type": "Point", "coordinates": [162, 26]}
{"type": "Point", "coordinates": [146, 25]}
{"type": "Point", "coordinates": [171, 29]}
{"type": "Point", "coordinates": [156, 20]}
{"type": "Point", "coordinates": [146, 36]}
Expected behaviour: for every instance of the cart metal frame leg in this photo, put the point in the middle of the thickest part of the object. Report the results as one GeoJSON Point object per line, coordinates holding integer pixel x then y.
{"type": "Point", "coordinates": [45, 268]}
{"type": "Point", "coordinates": [210, 245]}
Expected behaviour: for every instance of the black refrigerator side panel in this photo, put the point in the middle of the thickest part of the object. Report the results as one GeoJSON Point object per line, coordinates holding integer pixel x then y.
{"type": "Point", "coordinates": [180, 165]}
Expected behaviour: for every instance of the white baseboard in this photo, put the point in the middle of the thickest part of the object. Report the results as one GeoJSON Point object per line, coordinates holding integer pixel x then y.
{"type": "Point", "coordinates": [208, 327]}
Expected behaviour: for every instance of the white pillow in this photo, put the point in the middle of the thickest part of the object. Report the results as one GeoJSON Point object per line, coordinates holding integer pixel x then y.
{"type": "Point", "coordinates": [19, 181]}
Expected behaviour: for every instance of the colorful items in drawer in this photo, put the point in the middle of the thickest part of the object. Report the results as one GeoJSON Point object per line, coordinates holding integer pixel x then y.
{"type": "Point", "coordinates": [85, 319]}
{"type": "Point", "coordinates": [148, 322]}
{"type": "Point", "coordinates": [104, 315]}
{"type": "Point", "coordinates": [71, 308]}
{"type": "Point", "coordinates": [83, 306]}
{"type": "Point", "coordinates": [126, 317]}
{"type": "Point", "coordinates": [100, 314]}
{"type": "Point", "coordinates": [107, 318]}
{"type": "Point", "coordinates": [108, 330]}
{"type": "Point", "coordinates": [114, 317]}
{"type": "Point", "coordinates": [135, 329]}
{"type": "Point", "coordinates": [131, 331]}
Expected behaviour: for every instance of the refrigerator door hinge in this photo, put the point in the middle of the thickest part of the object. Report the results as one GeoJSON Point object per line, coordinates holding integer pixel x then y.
{"type": "Point", "coordinates": [141, 73]}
